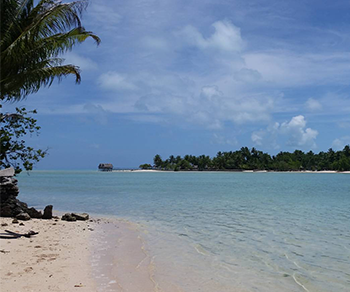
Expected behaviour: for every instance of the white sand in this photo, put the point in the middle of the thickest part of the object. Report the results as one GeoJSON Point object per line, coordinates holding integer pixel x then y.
{"type": "Point", "coordinates": [150, 170]}
{"type": "Point", "coordinates": [57, 259]}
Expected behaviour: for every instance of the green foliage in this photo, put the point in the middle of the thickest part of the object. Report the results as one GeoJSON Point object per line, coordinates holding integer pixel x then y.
{"type": "Point", "coordinates": [158, 162]}
{"type": "Point", "coordinates": [145, 166]}
{"type": "Point", "coordinates": [13, 149]}
{"type": "Point", "coordinates": [32, 39]}
{"type": "Point", "coordinates": [245, 159]}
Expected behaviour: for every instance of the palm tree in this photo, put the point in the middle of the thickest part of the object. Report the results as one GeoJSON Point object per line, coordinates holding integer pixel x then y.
{"type": "Point", "coordinates": [32, 39]}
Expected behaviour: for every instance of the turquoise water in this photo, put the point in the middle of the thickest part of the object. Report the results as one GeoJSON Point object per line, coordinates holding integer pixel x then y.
{"type": "Point", "coordinates": [221, 231]}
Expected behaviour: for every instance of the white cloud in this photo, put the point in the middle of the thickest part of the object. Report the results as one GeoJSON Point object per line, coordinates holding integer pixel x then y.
{"type": "Point", "coordinates": [84, 63]}
{"type": "Point", "coordinates": [154, 119]}
{"type": "Point", "coordinates": [257, 137]}
{"type": "Point", "coordinates": [223, 92]}
{"type": "Point", "coordinates": [237, 109]}
{"type": "Point", "coordinates": [115, 81]}
{"type": "Point", "coordinates": [339, 144]}
{"type": "Point", "coordinates": [286, 68]}
{"type": "Point", "coordinates": [336, 103]}
{"type": "Point", "coordinates": [313, 105]}
{"type": "Point", "coordinates": [246, 75]}
{"type": "Point", "coordinates": [226, 37]}
{"type": "Point", "coordinates": [158, 103]}
{"type": "Point", "coordinates": [210, 108]}
{"type": "Point", "coordinates": [96, 112]}
{"type": "Point", "coordinates": [267, 137]}
{"type": "Point", "coordinates": [298, 134]}
{"type": "Point", "coordinates": [223, 140]}
{"type": "Point", "coordinates": [295, 130]}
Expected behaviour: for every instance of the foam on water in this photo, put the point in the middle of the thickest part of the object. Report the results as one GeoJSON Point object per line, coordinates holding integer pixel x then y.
{"type": "Point", "coordinates": [221, 231]}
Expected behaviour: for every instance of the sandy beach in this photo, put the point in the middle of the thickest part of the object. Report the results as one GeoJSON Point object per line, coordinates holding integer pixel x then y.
{"type": "Point", "coordinates": [95, 255]}
{"type": "Point", "coordinates": [57, 259]}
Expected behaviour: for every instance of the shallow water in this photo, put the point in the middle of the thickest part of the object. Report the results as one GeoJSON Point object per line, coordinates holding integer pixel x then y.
{"type": "Point", "coordinates": [221, 231]}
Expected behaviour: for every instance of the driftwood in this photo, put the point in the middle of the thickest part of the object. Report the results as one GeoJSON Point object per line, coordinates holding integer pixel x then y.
{"type": "Point", "coordinates": [12, 235]}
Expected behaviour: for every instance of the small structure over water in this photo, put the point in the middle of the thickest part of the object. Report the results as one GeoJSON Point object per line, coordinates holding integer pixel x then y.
{"type": "Point", "coordinates": [105, 166]}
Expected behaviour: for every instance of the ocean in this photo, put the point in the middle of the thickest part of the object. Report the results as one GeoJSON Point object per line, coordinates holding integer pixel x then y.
{"type": "Point", "coordinates": [220, 231]}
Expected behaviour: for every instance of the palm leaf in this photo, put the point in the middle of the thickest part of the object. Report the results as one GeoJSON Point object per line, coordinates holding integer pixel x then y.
{"type": "Point", "coordinates": [32, 38]}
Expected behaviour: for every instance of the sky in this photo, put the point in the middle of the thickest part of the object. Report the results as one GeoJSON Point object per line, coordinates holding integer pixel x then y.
{"type": "Point", "coordinates": [197, 77]}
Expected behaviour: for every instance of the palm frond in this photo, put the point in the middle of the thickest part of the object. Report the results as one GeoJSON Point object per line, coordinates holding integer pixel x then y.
{"type": "Point", "coordinates": [32, 38]}
{"type": "Point", "coordinates": [43, 74]}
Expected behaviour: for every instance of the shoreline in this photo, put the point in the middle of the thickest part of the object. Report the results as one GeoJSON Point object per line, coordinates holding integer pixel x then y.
{"type": "Point", "coordinates": [232, 171]}
{"type": "Point", "coordinates": [104, 253]}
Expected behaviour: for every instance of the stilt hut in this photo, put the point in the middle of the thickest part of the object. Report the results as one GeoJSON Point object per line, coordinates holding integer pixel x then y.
{"type": "Point", "coordinates": [105, 167]}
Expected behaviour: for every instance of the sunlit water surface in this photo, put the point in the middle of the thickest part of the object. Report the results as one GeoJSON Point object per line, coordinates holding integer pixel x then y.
{"type": "Point", "coordinates": [221, 231]}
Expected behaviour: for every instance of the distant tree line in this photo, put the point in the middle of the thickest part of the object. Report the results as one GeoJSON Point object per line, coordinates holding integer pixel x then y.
{"type": "Point", "coordinates": [252, 159]}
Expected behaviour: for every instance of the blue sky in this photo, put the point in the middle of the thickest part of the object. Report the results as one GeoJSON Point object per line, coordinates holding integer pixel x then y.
{"type": "Point", "coordinates": [198, 77]}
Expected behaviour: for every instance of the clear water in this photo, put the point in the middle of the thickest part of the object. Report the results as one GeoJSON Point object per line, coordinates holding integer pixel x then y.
{"type": "Point", "coordinates": [221, 231]}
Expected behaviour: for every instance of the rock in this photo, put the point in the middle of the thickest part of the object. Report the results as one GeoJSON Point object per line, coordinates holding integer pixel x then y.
{"type": "Point", "coordinates": [68, 217]}
{"type": "Point", "coordinates": [8, 188]}
{"type": "Point", "coordinates": [82, 216]}
{"type": "Point", "coordinates": [9, 205]}
{"type": "Point", "coordinates": [23, 216]}
{"type": "Point", "coordinates": [14, 221]}
{"type": "Point", "coordinates": [7, 172]}
{"type": "Point", "coordinates": [21, 224]}
{"type": "Point", "coordinates": [48, 212]}
{"type": "Point", "coordinates": [6, 211]}
{"type": "Point", "coordinates": [4, 224]}
{"type": "Point", "coordinates": [34, 213]}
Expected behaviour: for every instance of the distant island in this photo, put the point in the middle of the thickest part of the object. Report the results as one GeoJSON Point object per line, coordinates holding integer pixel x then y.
{"type": "Point", "coordinates": [252, 159]}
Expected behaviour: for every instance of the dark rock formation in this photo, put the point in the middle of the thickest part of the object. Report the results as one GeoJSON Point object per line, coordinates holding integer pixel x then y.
{"type": "Point", "coordinates": [8, 188]}
{"type": "Point", "coordinates": [48, 212]}
{"type": "Point", "coordinates": [10, 206]}
{"type": "Point", "coordinates": [23, 216]}
{"type": "Point", "coordinates": [82, 216]}
{"type": "Point", "coordinates": [68, 217]}
{"type": "Point", "coordinates": [34, 213]}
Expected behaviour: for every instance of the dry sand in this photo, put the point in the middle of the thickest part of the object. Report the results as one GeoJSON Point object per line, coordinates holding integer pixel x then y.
{"type": "Point", "coordinates": [57, 259]}
{"type": "Point", "coordinates": [103, 255]}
